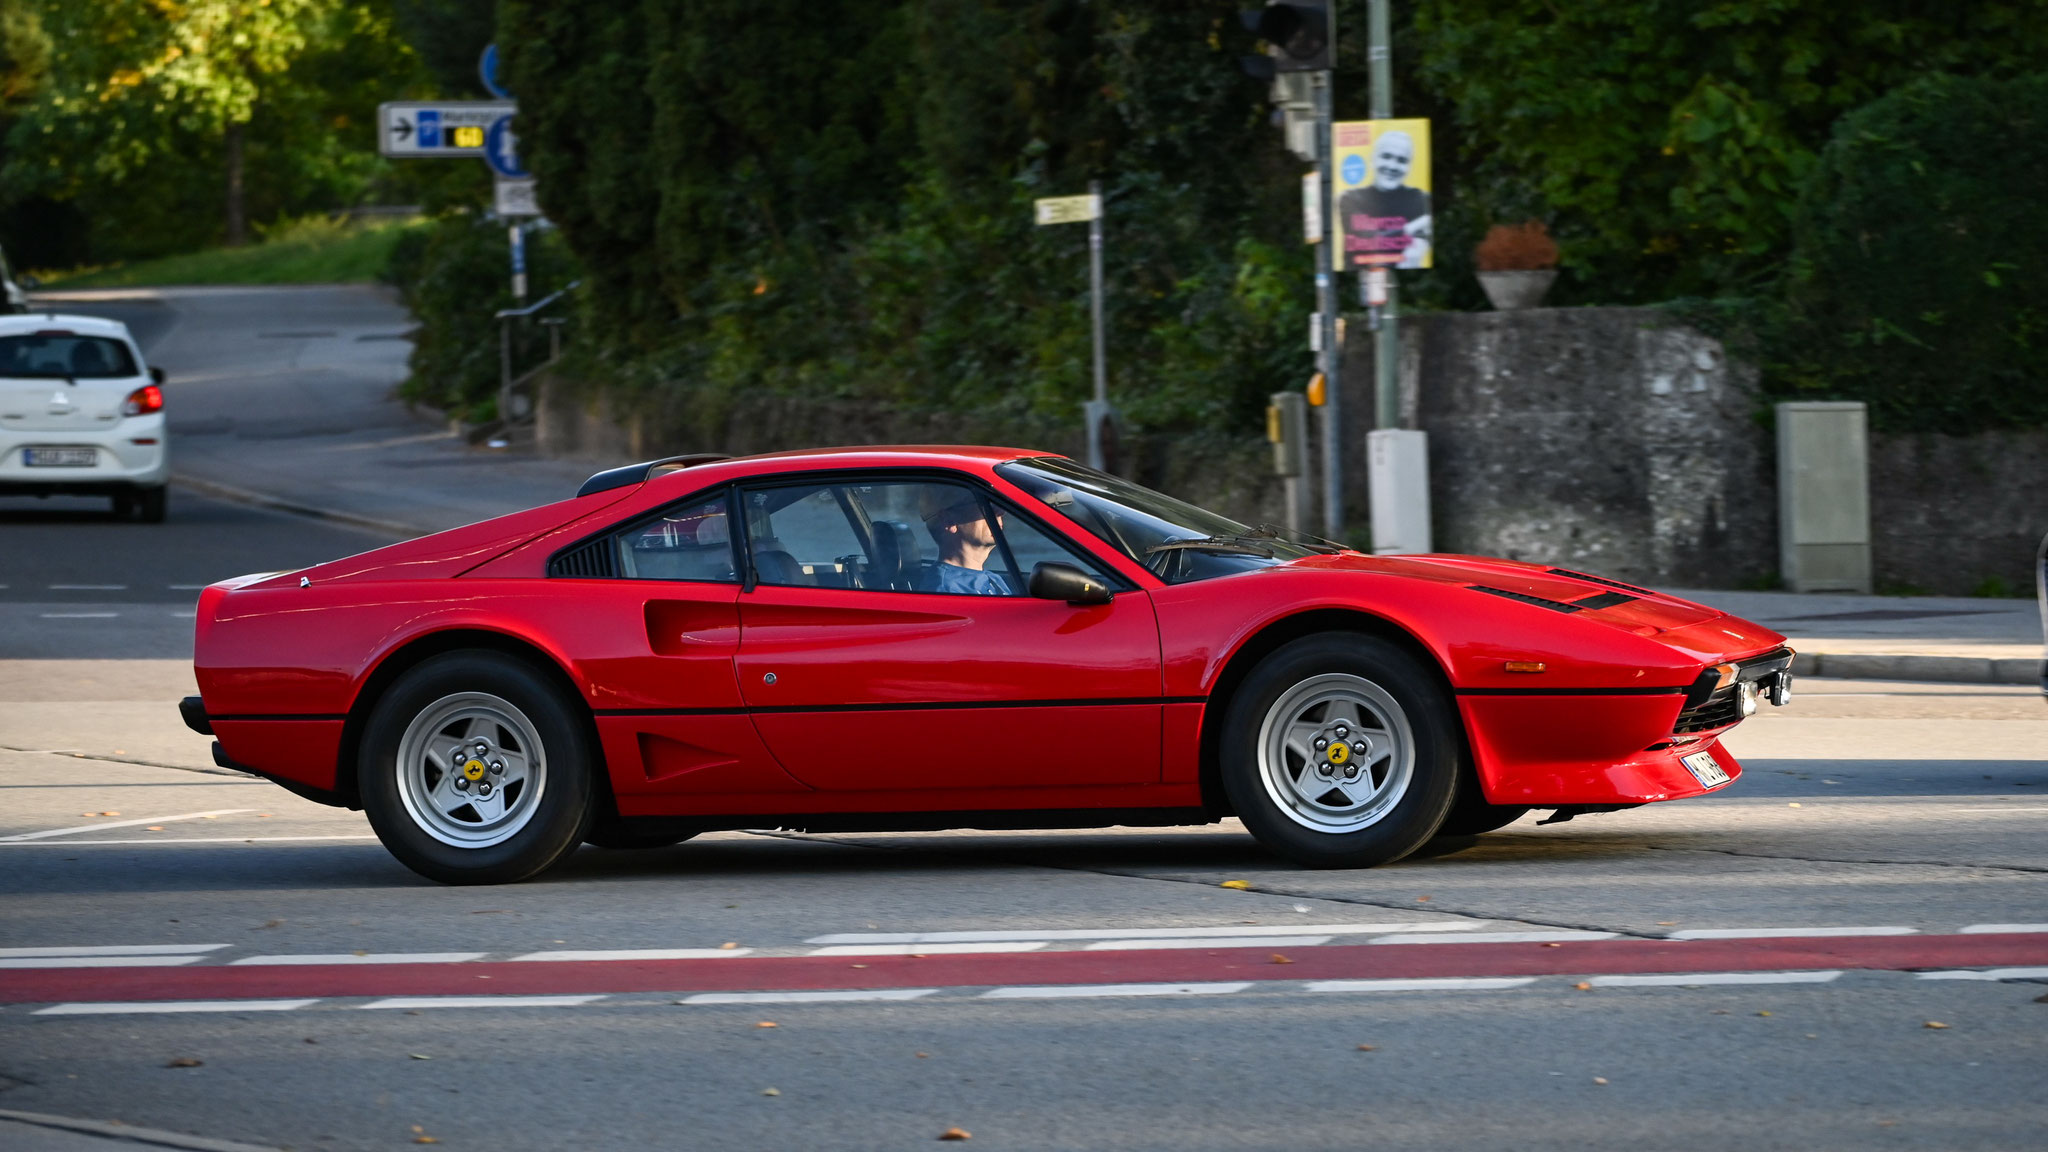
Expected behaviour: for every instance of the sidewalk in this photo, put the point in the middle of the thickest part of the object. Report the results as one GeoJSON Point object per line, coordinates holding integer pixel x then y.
{"type": "Point", "coordinates": [37, 1132]}
{"type": "Point", "coordinates": [1897, 637]}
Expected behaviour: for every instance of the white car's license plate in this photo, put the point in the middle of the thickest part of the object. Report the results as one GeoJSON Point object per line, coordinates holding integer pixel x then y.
{"type": "Point", "coordinates": [60, 457]}
{"type": "Point", "coordinates": [1704, 769]}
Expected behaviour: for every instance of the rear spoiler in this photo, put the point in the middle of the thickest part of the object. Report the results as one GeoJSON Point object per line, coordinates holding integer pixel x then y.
{"type": "Point", "coordinates": [640, 473]}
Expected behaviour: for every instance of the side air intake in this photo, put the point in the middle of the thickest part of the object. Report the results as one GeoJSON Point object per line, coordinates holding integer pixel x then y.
{"type": "Point", "coordinates": [595, 560]}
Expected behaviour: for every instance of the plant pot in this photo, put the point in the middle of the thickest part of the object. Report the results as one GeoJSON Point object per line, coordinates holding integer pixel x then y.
{"type": "Point", "coordinates": [1513, 291]}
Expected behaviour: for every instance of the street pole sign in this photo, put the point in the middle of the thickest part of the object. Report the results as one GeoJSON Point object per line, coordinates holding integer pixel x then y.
{"type": "Point", "coordinates": [514, 198]}
{"type": "Point", "coordinates": [501, 149]}
{"type": "Point", "coordinates": [430, 129]}
{"type": "Point", "coordinates": [1077, 210]}
{"type": "Point", "coordinates": [487, 72]}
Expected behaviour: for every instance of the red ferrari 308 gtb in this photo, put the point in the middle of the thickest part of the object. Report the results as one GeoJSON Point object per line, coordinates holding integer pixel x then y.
{"type": "Point", "coordinates": [919, 638]}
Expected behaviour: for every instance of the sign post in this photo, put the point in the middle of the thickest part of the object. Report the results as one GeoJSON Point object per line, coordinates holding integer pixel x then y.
{"type": "Point", "coordinates": [1074, 210]}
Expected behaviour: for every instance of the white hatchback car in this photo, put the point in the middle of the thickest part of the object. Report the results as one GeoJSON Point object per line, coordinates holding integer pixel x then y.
{"type": "Point", "coordinates": [80, 413]}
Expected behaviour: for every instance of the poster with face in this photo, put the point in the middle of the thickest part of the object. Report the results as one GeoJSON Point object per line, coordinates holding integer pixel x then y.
{"type": "Point", "coordinates": [1382, 189]}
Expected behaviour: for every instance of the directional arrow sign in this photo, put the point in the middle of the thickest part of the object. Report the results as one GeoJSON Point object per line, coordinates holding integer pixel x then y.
{"type": "Point", "coordinates": [425, 129]}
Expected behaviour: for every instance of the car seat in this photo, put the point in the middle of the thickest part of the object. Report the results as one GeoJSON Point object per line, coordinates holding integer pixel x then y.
{"type": "Point", "coordinates": [774, 566]}
{"type": "Point", "coordinates": [895, 562]}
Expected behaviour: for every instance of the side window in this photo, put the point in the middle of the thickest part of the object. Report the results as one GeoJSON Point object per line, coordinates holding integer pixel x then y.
{"type": "Point", "coordinates": [689, 542]}
{"type": "Point", "coordinates": [930, 536]}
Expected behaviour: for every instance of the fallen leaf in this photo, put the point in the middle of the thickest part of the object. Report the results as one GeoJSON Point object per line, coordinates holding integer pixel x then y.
{"type": "Point", "coordinates": [1240, 885]}
{"type": "Point", "coordinates": [120, 751]}
{"type": "Point", "coordinates": [263, 815]}
{"type": "Point", "coordinates": [1367, 1048]}
{"type": "Point", "coordinates": [310, 1040]}
{"type": "Point", "coordinates": [1422, 899]}
{"type": "Point", "coordinates": [917, 955]}
{"type": "Point", "coordinates": [1553, 944]}
{"type": "Point", "coordinates": [729, 944]}
{"type": "Point", "coordinates": [1763, 1013]}
{"type": "Point", "coordinates": [1666, 923]}
{"type": "Point", "coordinates": [1599, 1079]}
{"type": "Point", "coordinates": [110, 813]}
{"type": "Point", "coordinates": [1793, 804]}
{"type": "Point", "coordinates": [767, 1024]}
{"type": "Point", "coordinates": [417, 1056]}
{"type": "Point", "coordinates": [1720, 1012]}
{"type": "Point", "coordinates": [771, 1091]}
{"type": "Point", "coordinates": [856, 965]}
{"type": "Point", "coordinates": [1583, 986]}
{"type": "Point", "coordinates": [362, 952]}
{"type": "Point", "coordinates": [425, 1140]}
{"type": "Point", "coordinates": [1279, 959]}
{"type": "Point", "coordinates": [492, 912]}
{"type": "Point", "coordinates": [185, 1062]}
{"type": "Point", "coordinates": [417, 1128]}
{"type": "Point", "coordinates": [1813, 1035]}
{"type": "Point", "coordinates": [956, 1134]}
{"type": "Point", "coordinates": [924, 1055]}
{"type": "Point", "coordinates": [270, 924]}
{"type": "Point", "coordinates": [1934, 1024]}
{"type": "Point", "coordinates": [154, 828]}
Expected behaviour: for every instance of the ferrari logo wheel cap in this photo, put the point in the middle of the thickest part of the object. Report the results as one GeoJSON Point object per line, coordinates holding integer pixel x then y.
{"type": "Point", "coordinates": [473, 770]}
{"type": "Point", "coordinates": [1339, 753]}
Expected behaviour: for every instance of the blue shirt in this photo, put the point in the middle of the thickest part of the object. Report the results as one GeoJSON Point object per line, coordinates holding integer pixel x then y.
{"type": "Point", "coordinates": [958, 581]}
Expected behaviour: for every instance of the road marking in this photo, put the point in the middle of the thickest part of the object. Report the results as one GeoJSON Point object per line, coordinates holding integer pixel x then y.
{"type": "Point", "coordinates": [79, 615]}
{"type": "Point", "coordinates": [365, 958]}
{"type": "Point", "coordinates": [88, 587]}
{"type": "Point", "coordinates": [926, 949]}
{"type": "Point", "coordinates": [1426, 984]}
{"type": "Point", "coordinates": [1689, 979]}
{"type": "Point", "coordinates": [120, 824]}
{"type": "Point", "coordinates": [2001, 809]}
{"type": "Point", "coordinates": [1223, 942]}
{"type": "Point", "coordinates": [1975, 929]}
{"type": "Point", "coordinates": [411, 1002]}
{"type": "Point", "coordinates": [98, 962]}
{"type": "Point", "coordinates": [1500, 938]}
{"type": "Point", "coordinates": [1048, 934]}
{"type": "Point", "coordinates": [186, 587]}
{"type": "Point", "coordinates": [114, 950]}
{"type": "Point", "coordinates": [1775, 933]}
{"type": "Point", "coordinates": [1987, 974]}
{"type": "Point", "coordinates": [184, 615]}
{"type": "Point", "coordinates": [1085, 991]}
{"type": "Point", "coordinates": [109, 1009]}
{"type": "Point", "coordinates": [640, 954]}
{"type": "Point", "coordinates": [10, 843]}
{"type": "Point", "coordinates": [807, 997]}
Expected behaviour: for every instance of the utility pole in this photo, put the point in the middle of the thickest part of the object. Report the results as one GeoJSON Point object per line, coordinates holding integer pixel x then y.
{"type": "Point", "coordinates": [1387, 316]}
{"type": "Point", "coordinates": [1098, 456]}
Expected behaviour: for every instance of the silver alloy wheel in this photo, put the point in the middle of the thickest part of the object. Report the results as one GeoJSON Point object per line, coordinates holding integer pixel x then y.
{"type": "Point", "coordinates": [471, 770]}
{"type": "Point", "coordinates": [1336, 753]}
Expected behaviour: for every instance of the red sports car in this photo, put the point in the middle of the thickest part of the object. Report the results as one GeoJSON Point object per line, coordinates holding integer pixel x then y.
{"type": "Point", "coordinates": [921, 638]}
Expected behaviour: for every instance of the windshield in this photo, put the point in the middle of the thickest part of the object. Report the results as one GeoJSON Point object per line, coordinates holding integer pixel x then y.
{"type": "Point", "coordinates": [59, 355]}
{"type": "Point", "coordinates": [1176, 540]}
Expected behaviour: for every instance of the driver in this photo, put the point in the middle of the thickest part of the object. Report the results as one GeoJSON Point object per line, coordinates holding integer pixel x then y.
{"type": "Point", "coordinates": [961, 527]}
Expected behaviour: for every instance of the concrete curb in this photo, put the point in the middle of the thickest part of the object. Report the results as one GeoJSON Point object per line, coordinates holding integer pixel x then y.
{"type": "Point", "coordinates": [1911, 666]}
{"type": "Point", "coordinates": [113, 1131]}
{"type": "Point", "coordinates": [236, 495]}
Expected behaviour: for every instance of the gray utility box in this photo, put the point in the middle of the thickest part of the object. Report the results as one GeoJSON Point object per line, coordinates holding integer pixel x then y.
{"type": "Point", "coordinates": [1824, 496]}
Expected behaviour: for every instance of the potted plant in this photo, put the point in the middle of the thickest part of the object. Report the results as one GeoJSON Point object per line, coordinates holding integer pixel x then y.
{"type": "Point", "coordinates": [1517, 262]}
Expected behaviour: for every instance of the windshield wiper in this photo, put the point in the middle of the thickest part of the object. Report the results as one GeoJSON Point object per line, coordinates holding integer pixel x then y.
{"type": "Point", "coordinates": [1238, 544]}
{"type": "Point", "coordinates": [1298, 538]}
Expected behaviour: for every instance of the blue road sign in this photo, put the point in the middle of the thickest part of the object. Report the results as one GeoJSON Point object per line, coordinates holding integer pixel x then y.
{"type": "Point", "coordinates": [428, 127]}
{"type": "Point", "coordinates": [487, 71]}
{"type": "Point", "coordinates": [501, 149]}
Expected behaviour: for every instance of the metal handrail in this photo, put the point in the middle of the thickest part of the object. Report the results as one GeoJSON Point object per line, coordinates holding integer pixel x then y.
{"type": "Point", "coordinates": [530, 309]}
{"type": "Point", "coordinates": [505, 317]}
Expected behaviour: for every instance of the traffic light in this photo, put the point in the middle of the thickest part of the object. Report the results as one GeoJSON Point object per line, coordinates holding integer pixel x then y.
{"type": "Point", "coordinates": [1299, 34]}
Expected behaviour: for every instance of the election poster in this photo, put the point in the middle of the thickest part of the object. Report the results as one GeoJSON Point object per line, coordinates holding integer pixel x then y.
{"type": "Point", "coordinates": [1382, 191]}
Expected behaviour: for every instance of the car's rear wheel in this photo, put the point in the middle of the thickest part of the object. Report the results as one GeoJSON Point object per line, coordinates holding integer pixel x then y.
{"type": "Point", "coordinates": [1340, 751]}
{"type": "Point", "coordinates": [476, 769]}
{"type": "Point", "coordinates": [153, 503]}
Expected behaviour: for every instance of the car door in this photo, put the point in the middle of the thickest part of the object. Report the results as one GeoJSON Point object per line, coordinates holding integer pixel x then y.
{"type": "Point", "coordinates": [869, 666]}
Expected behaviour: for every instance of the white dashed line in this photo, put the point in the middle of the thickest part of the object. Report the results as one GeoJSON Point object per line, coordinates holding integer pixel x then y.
{"type": "Point", "coordinates": [927, 949]}
{"type": "Point", "coordinates": [413, 1002]}
{"type": "Point", "coordinates": [186, 587]}
{"type": "Point", "coordinates": [1087, 991]}
{"type": "Point", "coordinates": [1775, 933]}
{"type": "Point", "coordinates": [1223, 942]}
{"type": "Point", "coordinates": [365, 958]}
{"type": "Point", "coordinates": [88, 587]}
{"type": "Point", "coordinates": [1049, 934]}
{"type": "Point", "coordinates": [120, 824]}
{"type": "Point", "coordinates": [851, 996]}
{"type": "Point", "coordinates": [1424, 984]}
{"type": "Point", "coordinates": [1500, 938]}
{"type": "Point", "coordinates": [114, 950]}
{"type": "Point", "coordinates": [1689, 979]}
{"type": "Point", "coordinates": [98, 962]}
{"type": "Point", "coordinates": [79, 615]}
{"type": "Point", "coordinates": [1987, 974]}
{"type": "Point", "coordinates": [640, 954]}
{"type": "Point", "coordinates": [1975, 929]}
{"type": "Point", "coordinates": [110, 1009]}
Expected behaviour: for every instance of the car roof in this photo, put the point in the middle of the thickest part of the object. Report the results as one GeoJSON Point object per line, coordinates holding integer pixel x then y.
{"type": "Point", "coordinates": [41, 321]}
{"type": "Point", "coordinates": [977, 459]}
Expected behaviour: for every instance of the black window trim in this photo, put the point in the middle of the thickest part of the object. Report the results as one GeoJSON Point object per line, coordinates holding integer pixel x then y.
{"type": "Point", "coordinates": [735, 537]}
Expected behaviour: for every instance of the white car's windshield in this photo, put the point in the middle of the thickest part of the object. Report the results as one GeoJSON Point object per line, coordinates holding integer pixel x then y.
{"type": "Point", "coordinates": [63, 355]}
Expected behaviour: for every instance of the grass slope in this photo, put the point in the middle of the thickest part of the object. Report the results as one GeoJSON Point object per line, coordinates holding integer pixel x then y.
{"type": "Point", "coordinates": [312, 251]}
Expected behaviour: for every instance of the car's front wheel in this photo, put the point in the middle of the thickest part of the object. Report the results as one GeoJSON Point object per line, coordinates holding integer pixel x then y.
{"type": "Point", "coordinates": [1340, 751]}
{"type": "Point", "coordinates": [476, 769]}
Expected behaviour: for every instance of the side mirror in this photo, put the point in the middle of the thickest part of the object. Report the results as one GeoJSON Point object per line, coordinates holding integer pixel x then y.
{"type": "Point", "coordinates": [156, 374]}
{"type": "Point", "coordinates": [1054, 581]}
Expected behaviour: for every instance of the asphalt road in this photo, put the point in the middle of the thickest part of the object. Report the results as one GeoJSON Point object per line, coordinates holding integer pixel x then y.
{"type": "Point", "coordinates": [1594, 984]}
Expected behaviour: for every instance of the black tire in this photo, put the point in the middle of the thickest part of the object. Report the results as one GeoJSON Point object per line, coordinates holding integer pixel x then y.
{"type": "Point", "coordinates": [1471, 815]}
{"type": "Point", "coordinates": [552, 820]}
{"type": "Point", "coordinates": [153, 503]}
{"type": "Point", "coordinates": [622, 837]}
{"type": "Point", "coordinates": [1398, 819]}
